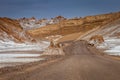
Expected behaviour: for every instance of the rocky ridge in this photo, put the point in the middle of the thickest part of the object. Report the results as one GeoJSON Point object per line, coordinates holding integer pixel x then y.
{"type": "Point", "coordinates": [69, 26]}
{"type": "Point", "coordinates": [31, 29]}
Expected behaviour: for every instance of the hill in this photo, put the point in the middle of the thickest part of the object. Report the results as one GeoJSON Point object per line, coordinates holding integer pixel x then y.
{"type": "Point", "coordinates": [75, 25]}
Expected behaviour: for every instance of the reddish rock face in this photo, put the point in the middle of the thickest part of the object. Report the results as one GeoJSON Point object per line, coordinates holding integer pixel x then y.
{"type": "Point", "coordinates": [10, 29]}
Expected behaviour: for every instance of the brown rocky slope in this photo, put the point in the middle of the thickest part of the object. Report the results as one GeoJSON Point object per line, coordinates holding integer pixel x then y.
{"type": "Point", "coordinates": [10, 29]}
{"type": "Point", "coordinates": [75, 25]}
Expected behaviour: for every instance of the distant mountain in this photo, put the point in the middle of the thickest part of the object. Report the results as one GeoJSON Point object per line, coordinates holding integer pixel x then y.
{"type": "Point", "coordinates": [32, 23]}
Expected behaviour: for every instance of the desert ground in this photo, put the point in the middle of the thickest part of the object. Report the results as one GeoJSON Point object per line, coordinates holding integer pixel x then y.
{"type": "Point", "coordinates": [81, 62]}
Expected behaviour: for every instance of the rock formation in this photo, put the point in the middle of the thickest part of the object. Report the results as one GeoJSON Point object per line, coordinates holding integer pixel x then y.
{"type": "Point", "coordinates": [96, 39]}
{"type": "Point", "coordinates": [54, 49]}
{"type": "Point", "coordinates": [11, 30]}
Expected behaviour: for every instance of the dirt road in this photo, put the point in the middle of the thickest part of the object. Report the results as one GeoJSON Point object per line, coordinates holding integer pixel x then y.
{"type": "Point", "coordinates": [81, 62]}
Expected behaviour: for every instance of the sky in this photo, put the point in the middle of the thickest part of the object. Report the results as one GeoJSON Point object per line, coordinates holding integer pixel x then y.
{"type": "Point", "coordinates": [52, 8]}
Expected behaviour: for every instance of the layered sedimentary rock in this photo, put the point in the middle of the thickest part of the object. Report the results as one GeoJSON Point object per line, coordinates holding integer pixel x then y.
{"type": "Point", "coordinates": [69, 26]}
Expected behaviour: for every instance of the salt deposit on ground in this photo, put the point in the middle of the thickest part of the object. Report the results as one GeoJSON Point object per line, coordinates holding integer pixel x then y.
{"type": "Point", "coordinates": [12, 46]}
{"type": "Point", "coordinates": [12, 59]}
{"type": "Point", "coordinates": [111, 46]}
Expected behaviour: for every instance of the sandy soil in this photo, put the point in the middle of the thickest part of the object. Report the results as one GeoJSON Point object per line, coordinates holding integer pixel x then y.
{"type": "Point", "coordinates": [82, 62]}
